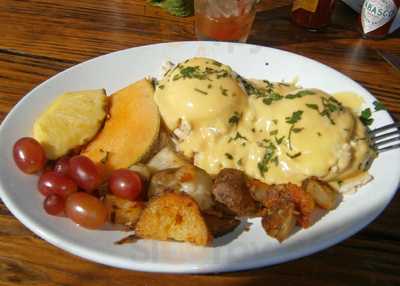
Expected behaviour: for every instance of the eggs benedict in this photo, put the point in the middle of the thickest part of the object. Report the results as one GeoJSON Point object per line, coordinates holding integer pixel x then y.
{"type": "Point", "coordinates": [275, 132]}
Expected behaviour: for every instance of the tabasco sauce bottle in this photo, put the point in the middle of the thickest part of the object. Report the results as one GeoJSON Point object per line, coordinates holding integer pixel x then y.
{"type": "Point", "coordinates": [312, 14]}
{"type": "Point", "coordinates": [377, 17]}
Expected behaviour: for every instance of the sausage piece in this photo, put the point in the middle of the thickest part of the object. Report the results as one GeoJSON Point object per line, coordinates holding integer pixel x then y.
{"type": "Point", "coordinates": [230, 189]}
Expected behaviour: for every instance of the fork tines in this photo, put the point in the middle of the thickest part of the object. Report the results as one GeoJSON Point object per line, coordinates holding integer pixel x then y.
{"type": "Point", "coordinates": [386, 137]}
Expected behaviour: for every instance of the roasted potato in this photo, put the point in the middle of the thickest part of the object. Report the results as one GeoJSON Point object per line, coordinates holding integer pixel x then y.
{"type": "Point", "coordinates": [284, 194]}
{"type": "Point", "coordinates": [188, 179]}
{"type": "Point", "coordinates": [280, 221]}
{"type": "Point", "coordinates": [167, 158]}
{"type": "Point", "coordinates": [122, 211]}
{"type": "Point", "coordinates": [303, 202]}
{"type": "Point", "coordinates": [323, 194]}
{"type": "Point", "coordinates": [174, 216]}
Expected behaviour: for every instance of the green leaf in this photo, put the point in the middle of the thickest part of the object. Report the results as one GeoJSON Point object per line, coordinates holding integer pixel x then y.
{"type": "Point", "coordinates": [273, 132]}
{"type": "Point", "coordinates": [181, 8]}
{"type": "Point", "coordinates": [297, 130]}
{"type": "Point", "coordinates": [279, 140]}
{"type": "Point", "coordinates": [238, 136]}
{"type": "Point", "coordinates": [235, 118]}
{"type": "Point", "coordinates": [294, 155]}
{"type": "Point", "coordinates": [366, 118]}
{"type": "Point", "coordinates": [300, 94]}
{"type": "Point", "coordinates": [269, 156]}
{"type": "Point", "coordinates": [229, 156]}
{"type": "Point", "coordinates": [201, 91]}
{"type": "Point", "coordinates": [224, 91]}
{"type": "Point", "coordinates": [379, 106]}
{"type": "Point", "coordinates": [312, 106]}
{"type": "Point", "coordinates": [295, 117]}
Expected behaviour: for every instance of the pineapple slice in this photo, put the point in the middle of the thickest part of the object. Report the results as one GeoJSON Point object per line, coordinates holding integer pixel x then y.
{"type": "Point", "coordinates": [70, 121]}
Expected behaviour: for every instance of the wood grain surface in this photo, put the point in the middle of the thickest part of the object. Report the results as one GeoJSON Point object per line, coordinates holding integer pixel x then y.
{"type": "Point", "coordinates": [40, 38]}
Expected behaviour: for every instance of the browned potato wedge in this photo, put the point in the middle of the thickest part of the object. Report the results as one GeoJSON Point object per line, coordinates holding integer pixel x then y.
{"type": "Point", "coordinates": [220, 226]}
{"type": "Point", "coordinates": [280, 221]}
{"type": "Point", "coordinates": [173, 216]}
{"type": "Point", "coordinates": [324, 195]}
{"type": "Point", "coordinates": [122, 211]}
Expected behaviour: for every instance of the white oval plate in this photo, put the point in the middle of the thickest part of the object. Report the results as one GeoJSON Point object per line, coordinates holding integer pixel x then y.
{"type": "Point", "coordinates": [236, 251]}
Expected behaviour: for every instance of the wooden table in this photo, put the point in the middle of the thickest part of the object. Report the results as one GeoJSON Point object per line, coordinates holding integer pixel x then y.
{"type": "Point", "coordinates": [40, 38]}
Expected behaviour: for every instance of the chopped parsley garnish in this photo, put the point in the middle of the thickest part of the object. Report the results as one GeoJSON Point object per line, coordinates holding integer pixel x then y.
{"type": "Point", "coordinates": [379, 106]}
{"type": "Point", "coordinates": [209, 86]}
{"type": "Point", "coordinates": [190, 72]}
{"type": "Point", "coordinates": [215, 63]}
{"type": "Point", "coordinates": [229, 156]}
{"type": "Point", "coordinates": [268, 94]}
{"type": "Point", "coordinates": [297, 130]}
{"type": "Point", "coordinates": [237, 136]}
{"type": "Point", "coordinates": [275, 121]}
{"type": "Point", "coordinates": [312, 106]}
{"type": "Point", "coordinates": [201, 91]}
{"type": "Point", "coordinates": [224, 91]}
{"type": "Point", "coordinates": [268, 83]}
{"type": "Point", "coordinates": [239, 162]}
{"type": "Point", "coordinates": [253, 130]}
{"type": "Point", "coordinates": [235, 118]}
{"type": "Point", "coordinates": [279, 140]}
{"type": "Point", "coordinates": [273, 132]}
{"type": "Point", "coordinates": [298, 154]}
{"type": "Point", "coordinates": [269, 156]}
{"type": "Point", "coordinates": [366, 114]}
{"type": "Point", "coordinates": [197, 73]}
{"type": "Point", "coordinates": [300, 94]}
{"type": "Point", "coordinates": [161, 86]}
{"type": "Point", "coordinates": [366, 117]}
{"type": "Point", "coordinates": [273, 96]}
{"type": "Point", "coordinates": [249, 88]}
{"type": "Point", "coordinates": [295, 117]}
{"type": "Point", "coordinates": [319, 134]}
{"type": "Point", "coordinates": [154, 82]}
{"type": "Point", "coordinates": [222, 74]}
{"type": "Point", "coordinates": [330, 105]}
{"type": "Point", "coordinates": [292, 120]}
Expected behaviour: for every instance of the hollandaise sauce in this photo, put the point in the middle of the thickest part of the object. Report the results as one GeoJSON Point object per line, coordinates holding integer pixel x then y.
{"type": "Point", "coordinates": [274, 132]}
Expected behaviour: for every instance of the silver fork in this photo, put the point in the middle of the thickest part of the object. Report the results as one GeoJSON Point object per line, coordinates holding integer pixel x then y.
{"type": "Point", "coordinates": [385, 138]}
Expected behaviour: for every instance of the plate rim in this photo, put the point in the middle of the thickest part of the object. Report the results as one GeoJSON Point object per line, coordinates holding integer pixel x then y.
{"type": "Point", "coordinates": [80, 251]}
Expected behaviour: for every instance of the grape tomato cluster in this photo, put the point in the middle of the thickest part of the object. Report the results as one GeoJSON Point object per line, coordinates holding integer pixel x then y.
{"type": "Point", "coordinates": [70, 185]}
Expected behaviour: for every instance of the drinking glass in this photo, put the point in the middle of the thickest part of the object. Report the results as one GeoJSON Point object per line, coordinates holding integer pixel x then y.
{"type": "Point", "coordinates": [224, 20]}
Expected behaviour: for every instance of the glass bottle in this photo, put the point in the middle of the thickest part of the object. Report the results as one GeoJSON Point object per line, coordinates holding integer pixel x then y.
{"type": "Point", "coordinates": [312, 14]}
{"type": "Point", "coordinates": [377, 16]}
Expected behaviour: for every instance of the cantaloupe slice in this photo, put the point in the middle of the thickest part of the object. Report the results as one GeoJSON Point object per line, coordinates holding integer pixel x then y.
{"type": "Point", "coordinates": [130, 131]}
{"type": "Point", "coordinates": [72, 120]}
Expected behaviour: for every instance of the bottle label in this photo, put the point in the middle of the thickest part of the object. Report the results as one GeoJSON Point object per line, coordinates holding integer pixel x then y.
{"type": "Point", "coordinates": [308, 5]}
{"type": "Point", "coordinates": [377, 13]}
